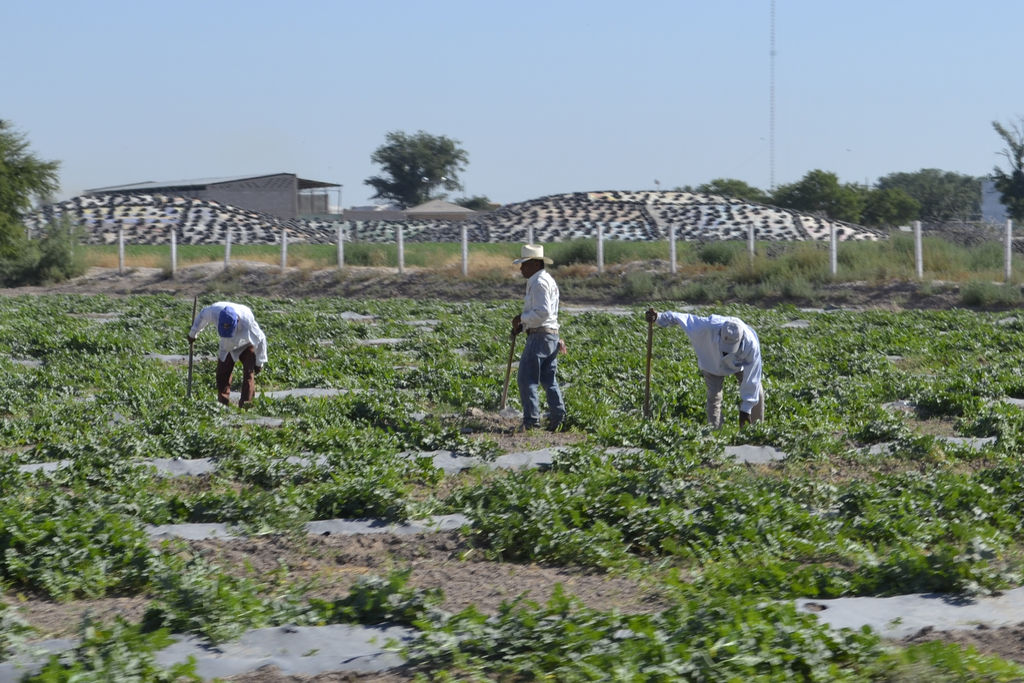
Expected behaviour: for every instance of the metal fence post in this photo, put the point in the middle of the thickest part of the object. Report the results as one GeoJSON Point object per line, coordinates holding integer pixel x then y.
{"type": "Point", "coordinates": [401, 249]}
{"type": "Point", "coordinates": [120, 250]}
{"type": "Point", "coordinates": [1009, 249]}
{"type": "Point", "coordinates": [227, 247]}
{"type": "Point", "coordinates": [341, 246]}
{"type": "Point", "coordinates": [751, 245]}
{"type": "Point", "coordinates": [833, 258]}
{"type": "Point", "coordinates": [284, 249]}
{"type": "Point", "coordinates": [672, 249]}
{"type": "Point", "coordinates": [600, 248]}
{"type": "Point", "coordinates": [174, 251]}
{"type": "Point", "coordinates": [918, 251]}
{"type": "Point", "coordinates": [465, 251]}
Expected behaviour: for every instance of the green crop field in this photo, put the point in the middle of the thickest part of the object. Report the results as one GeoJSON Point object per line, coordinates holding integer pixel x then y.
{"type": "Point", "coordinates": [727, 546]}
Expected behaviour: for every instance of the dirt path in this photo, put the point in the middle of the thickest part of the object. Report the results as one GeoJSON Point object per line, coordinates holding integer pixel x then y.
{"type": "Point", "coordinates": [333, 563]}
{"type": "Point", "coordinates": [581, 285]}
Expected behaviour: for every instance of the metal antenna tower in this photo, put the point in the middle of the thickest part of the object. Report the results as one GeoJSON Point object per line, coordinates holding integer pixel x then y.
{"type": "Point", "coordinates": [771, 103]}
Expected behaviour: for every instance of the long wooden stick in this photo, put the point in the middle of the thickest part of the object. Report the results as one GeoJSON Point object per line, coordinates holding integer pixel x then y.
{"type": "Point", "coordinates": [647, 382]}
{"type": "Point", "coordinates": [508, 371]}
{"type": "Point", "coordinates": [191, 348]}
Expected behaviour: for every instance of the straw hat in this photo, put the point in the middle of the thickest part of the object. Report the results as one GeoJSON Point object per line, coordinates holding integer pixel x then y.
{"type": "Point", "coordinates": [532, 251]}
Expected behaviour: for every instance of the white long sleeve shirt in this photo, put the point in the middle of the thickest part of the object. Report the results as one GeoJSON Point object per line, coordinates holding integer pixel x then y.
{"type": "Point", "coordinates": [540, 308]}
{"type": "Point", "coordinates": [705, 334]}
{"type": "Point", "coordinates": [247, 332]}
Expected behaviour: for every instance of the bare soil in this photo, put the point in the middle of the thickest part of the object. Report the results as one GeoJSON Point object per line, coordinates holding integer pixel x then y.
{"type": "Point", "coordinates": [581, 285]}
{"type": "Point", "coordinates": [332, 564]}
{"type": "Point", "coordinates": [440, 560]}
{"type": "Point", "coordinates": [1006, 642]}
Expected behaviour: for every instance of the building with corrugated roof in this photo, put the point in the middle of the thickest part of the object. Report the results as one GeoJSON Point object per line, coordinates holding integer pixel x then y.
{"type": "Point", "coordinates": [283, 195]}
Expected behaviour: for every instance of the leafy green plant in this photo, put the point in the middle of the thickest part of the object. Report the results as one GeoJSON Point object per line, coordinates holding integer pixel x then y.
{"type": "Point", "coordinates": [375, 600]}
{"type": "Point", "coordinates": [193, 596]}
{"type": "Point", "coordinates": [119, 652]}
{"type": "Point", "coordinates": [716, 639]}
{"type": "Point", "coordinates": [67, 547]}
{"type": "Point", "coordinates": [938, 661]}
{"type": "Point", "coordinates": [14, 632]}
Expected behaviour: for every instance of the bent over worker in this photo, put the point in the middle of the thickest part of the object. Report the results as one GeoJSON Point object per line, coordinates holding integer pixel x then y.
{"type": "Point", "coordinates": [241, 340]}
{"type": "Point", "coordinates": [725, 346]}
{"type": "Point", "coordinates": [539, 362]}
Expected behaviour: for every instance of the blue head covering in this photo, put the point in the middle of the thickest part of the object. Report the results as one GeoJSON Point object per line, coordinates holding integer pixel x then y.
{"type": "Point", "coordinates": [227, 322]}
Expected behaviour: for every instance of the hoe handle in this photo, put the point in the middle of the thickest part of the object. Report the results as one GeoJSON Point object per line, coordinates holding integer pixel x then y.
{"type": "Point", "coordinates": [191, 348]}
{"type": "Point", "coordinates": [508, 370]}
{"type": "Point", "coordinates": [647, 378]}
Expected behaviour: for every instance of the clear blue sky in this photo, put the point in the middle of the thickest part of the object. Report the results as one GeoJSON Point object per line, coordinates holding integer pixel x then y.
{"type": "Point", "coordinates": [545, 96]}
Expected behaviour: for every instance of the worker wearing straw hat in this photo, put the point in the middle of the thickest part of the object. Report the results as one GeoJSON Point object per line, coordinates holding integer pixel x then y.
{"type": "Point", "coordinates": [538, 364]}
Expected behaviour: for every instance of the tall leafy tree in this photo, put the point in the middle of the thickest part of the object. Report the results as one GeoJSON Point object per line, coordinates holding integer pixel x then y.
{"type": "Point", "coordinates": [477, 203]}
{"type": "Point", "coordinates": [889, 207]}
{"type": "Point", "coordinates": [944, 196]}
{"type": "Point", "coordinates": [24, 180]}
{"type": "Point", "coordinates": [1010, 183]}
{"type": "Point", "coordinates": [736, 189]}
{"type": "Point", "coordinates": [416, 166]}
{"type": "Point", "coordinates": [820, 192]}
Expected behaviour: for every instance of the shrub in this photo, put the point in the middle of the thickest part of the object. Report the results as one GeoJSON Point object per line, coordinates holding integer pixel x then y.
{"type": "Point", "coordinates": [638, 285]}
{"type": "Point", "coordinates": [799, 289]}
{"type": "Point", "coordinates": [575, 251]}
{"type": "Point", "coordinates": [369, 254]}
{"type": "Point", "coordinates": [59, 255]}
{"type": "Point", "coordinates": [984, 294]}
{"type": "Point", "coordinates": [51, 258]}
{"type": "Point", "coordinates": [706, 290]}
{"type": "Point", "coordinates": [719, 253]}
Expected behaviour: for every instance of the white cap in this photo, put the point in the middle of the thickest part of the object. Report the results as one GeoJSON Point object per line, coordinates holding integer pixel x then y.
{"type": "Point", "coordinates": [730, 336]}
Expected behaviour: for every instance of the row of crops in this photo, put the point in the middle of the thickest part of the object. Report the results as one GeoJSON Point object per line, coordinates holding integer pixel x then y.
{"type": "Point", "coordinates": [82, 381]}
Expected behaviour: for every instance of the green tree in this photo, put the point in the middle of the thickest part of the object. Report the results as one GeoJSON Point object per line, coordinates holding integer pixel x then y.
{"type": "Point", "coordinates": [416, 166]}
{"type": "Point", "coordinates": [477, 203]}
{"type": "Point", "coordinates": [889, 207]}
{"type": "Point", "coordinates": [820, 192]}
{"type": "Point", "coordinates": [944, 196]}
{"type": "Point", "coordinates": [1011, 183]}
{"type": "Point", "coordinates": [737, 189]}
{"type": "Point", "coordinates": [25, 180]}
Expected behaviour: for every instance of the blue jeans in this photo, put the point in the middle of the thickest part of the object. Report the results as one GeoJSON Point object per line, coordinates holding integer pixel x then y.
{"type": "Point", "coordinates": [538, 365]}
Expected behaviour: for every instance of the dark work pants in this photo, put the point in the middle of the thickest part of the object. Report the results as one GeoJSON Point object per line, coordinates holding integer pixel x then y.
{"type": "Point", "coordinates": [226, 367]}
